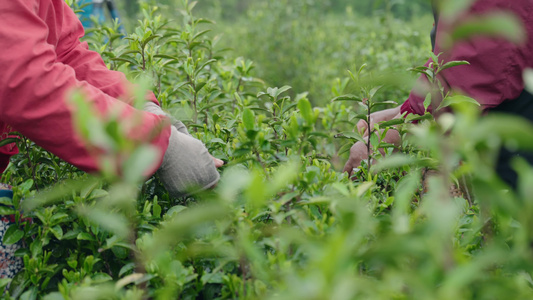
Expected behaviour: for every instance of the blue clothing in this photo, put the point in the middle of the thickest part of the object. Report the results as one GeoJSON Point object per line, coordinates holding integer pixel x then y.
{"type": "Point", "coordinates": [87, 8]}
{"type": "Point", "coordinates": [10, 263]}
{"type": "Point", "coordinates": [95, 8]}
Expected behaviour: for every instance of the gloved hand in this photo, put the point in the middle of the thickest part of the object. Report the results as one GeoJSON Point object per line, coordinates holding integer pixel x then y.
{"type": "Point", "coordinates": [151, 107]}
{"type": "Point", "coordinates": [187, 166]}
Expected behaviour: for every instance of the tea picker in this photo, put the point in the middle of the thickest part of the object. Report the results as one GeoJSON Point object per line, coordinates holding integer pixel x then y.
{"type": "Point", "coordinates": [494, 77]}
{"type": "Point", "coordinates": [42, 61]}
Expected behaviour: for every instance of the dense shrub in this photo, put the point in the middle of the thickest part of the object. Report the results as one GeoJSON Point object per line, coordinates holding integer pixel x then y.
{"type": "Point", "coordinates": [301, 46]}
{"type": "Point", "coordinates": [282, 223]}
{"type": "Point", "coordinates": [229, 9]}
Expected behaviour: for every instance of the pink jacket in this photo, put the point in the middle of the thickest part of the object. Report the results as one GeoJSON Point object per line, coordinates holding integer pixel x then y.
{"type": "Point", "coordinates": [41, 60]}
{"type": "Point", "coordinates": [496, 65]}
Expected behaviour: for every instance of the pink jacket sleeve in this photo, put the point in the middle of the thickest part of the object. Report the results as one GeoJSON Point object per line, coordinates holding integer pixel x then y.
{"type": "Point", "coordinates": [496, 65]}
{"type": "Point", "coordinates": [35, 80]}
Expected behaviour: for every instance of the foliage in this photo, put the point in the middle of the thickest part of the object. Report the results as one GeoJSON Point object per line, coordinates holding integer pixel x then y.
{"type": "Point", "coordinates": [233, 8]}
{"type": "Point", "coordinates": [309, 44]}
{"type": "Point", "coordinates": [296, 43]}
{"type": "Point", "coordinates": [282, 223]}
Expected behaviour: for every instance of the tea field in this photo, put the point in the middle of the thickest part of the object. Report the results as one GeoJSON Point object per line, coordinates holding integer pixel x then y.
{"type": "Point", "coordinates": [276, 93]}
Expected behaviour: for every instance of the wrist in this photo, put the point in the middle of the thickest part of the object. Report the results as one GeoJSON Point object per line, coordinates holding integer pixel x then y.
{"type": "Point", "coordinates": [153, 108]}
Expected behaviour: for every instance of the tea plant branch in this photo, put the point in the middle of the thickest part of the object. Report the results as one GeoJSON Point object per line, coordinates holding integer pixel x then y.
{"type": "Point", "coordinates": [31, 165]}
{"type": "Point", "coordinates": [143, 58]}
{"type": "Point", "coordinates": [370, 131]}
{"type": "Point", "coordinates": [244, 272]}
{"type": "Point", "coordinates": [261, 162]}
{"type": "Point", "coordinates": [466, 190]}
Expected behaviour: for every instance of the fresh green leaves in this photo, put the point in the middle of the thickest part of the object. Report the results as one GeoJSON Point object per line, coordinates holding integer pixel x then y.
{"type": "Point", "coordinates": [283, 218]}
{"type": "Point", "coordinates": [12, 235]}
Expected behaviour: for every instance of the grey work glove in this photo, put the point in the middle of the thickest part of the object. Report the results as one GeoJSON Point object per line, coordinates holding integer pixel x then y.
{"type": "Point", "coordinates": [151, 107]}
{"type": "Point", "coordinates": [187, 166]}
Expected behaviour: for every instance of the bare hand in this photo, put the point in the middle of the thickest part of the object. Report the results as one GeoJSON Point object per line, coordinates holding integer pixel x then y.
{"type": "Point", "coordinates": [377, 117]}
{"type": "Point", "coordinates": [358, 153]}
{"type": "Point", "coordinates": [218, 162]}
{"type": "Point", "coordinates": [359, 150]}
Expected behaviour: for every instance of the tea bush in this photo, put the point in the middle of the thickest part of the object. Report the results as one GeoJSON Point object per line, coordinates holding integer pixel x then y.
{"type": "Point", "coordinates": [298, 43]}
{"type": "Point", "coordinates": [282, 223]}
{"type": "Point", "coordinates": [231, 9]}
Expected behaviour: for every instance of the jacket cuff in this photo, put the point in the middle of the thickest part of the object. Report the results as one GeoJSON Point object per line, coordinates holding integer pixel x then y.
{"type": "Point", "coordinates": [150, 96]}
{"type": "Point", "coordinates": [407, 108]}
{"type": "Point", "coordinates": [161, 142]}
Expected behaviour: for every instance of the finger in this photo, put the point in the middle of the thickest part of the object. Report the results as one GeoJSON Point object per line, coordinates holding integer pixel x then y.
{"type": "Point", "coordinates": [348, 168]}
{"type": "Point", "coordinates": [218, 162]}
{"type": "Point", "coordinates": [362, 126]}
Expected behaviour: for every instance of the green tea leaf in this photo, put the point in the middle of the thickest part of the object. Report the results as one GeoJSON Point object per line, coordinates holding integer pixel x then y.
{"type": "Point", "coordinates": [110, 221]}
{"type": "Point", "coordinates": [6, 201]}
{"type": "Point", "coordinates": [8, 141]}
{"type": "Point", "coordinates": [427, 102]}
{"type": "Point", "coordinates": [13, 235]}
{"type": "Point", "coordinates": [156, 209]}
{"type": "Point", "coordinates": [248, 119]}
{"type": "Point", "coordinates": [351, 135]}
{"type": "Point", "coordinates": [126, 268]}
{"type": "Point", "coordinates": [85, 236]}
{"type": "Point", "coordinates": [348, 98]}
{"type": "Point", "coordinates": [6, 211]}
{"type": "Point", "coordinates": [451, 100]}
{"type": "Point", "coordinates": [57, 231]}
{"type": "Point", "coordinates": [306, 110]}
{"type": "Point", "coordinates": [528, 79]}
{"type": "Point", "coordinates": [452, 64]}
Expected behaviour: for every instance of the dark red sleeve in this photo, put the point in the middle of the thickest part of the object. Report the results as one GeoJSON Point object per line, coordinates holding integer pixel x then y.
{"type": "Point", "coordinates": [406, 108]}
{"type": "Point", "coordinates": [6, 151]}
{"type": "Point", "coordinates": [34, 84]}
{"type": "Point", "coordinates": [496, 65]}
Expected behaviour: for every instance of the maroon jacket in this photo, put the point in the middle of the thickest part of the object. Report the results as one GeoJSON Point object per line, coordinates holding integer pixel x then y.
{"type": "Point", "coordinates": [41, 60]}
{"type": "Point", "coordinates": [496, 65]}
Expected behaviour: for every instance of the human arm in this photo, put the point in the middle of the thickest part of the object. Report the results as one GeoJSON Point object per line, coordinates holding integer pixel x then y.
{"type": "Point", "coordinates": [359, 150]}
{"type": "Point", "coordinates": [493, 76]}
{"type": "Point", "coordinates": [89, 66]}
{"type": "Point", "coordinates": [178, 125]}
{"type": "Point", "coordinates": [496, 65]}
{"type": "Point", "coordinates": [34, 85]}
{"type": "Point", "coordinates": [186, 163]}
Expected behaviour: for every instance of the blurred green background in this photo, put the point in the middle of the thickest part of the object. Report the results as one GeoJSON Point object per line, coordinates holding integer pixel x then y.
{"type": "Point", "coordinates": [309, 44]}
